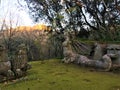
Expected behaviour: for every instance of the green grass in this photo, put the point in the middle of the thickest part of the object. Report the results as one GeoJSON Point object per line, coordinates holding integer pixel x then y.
{"type": "Point", "coordinates": [54, 75]}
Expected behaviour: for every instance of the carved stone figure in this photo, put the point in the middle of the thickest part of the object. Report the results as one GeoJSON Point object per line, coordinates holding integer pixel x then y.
{"type": "Point", "coordinates": [98, 53]}
{"type": "Point", "coordinates": [5, 65]}
{"type": "Point", "coordinates": [3, 54]}
{"type": "Point", "coordinates": [114, 52]}
{"type": "Point", "coordinates": [67, 51]}
{"type": "Point", "coordinates": [5, 69]}
{"type": "Point", "coordinates": [16, 66]}
{"type": "Point", "coordinates": [101, 59]}
{"type": "Point", "coordinates": [19, 61]}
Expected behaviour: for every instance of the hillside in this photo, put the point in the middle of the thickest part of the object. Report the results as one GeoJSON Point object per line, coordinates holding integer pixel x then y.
{"type": "Point", "coordinates": [54, 75]}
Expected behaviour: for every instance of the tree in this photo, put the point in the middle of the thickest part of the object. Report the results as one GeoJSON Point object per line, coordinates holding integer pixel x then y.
{"type": "Point", "coordinates": [105, 16]}
{"type": "Point", "coordinates": [9, 37]}
{"type": "Point", "coordinates": [55, 13]}
{"type": "Point", "coordinates": [73, 15]}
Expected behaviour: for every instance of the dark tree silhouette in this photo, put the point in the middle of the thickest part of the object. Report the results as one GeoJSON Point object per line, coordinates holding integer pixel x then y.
{"type": "Point", "coordinates": [104, 15]}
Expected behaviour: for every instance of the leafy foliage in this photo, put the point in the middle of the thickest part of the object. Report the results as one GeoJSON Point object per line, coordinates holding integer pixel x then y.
{"type": "Point", "coordinates": [100, 16]}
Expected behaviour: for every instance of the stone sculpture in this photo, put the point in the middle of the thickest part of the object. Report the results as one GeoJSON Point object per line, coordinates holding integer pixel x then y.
{"type": "Point", "coordinates": [104, 56]}
{"type": "Point", "coordinates": [14, 67]}
{"type": "Point", "coordinates": [113, 51]}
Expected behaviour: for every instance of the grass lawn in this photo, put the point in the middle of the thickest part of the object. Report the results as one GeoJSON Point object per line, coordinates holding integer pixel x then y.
{"type": "Point", "coordinates": [54, 75]}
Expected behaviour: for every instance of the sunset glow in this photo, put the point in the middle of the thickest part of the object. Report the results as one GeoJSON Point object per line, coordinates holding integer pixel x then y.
{"type": "Point", "coordinates": [41, 27]}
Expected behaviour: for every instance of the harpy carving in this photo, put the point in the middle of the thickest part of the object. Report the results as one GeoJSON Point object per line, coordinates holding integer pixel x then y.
{"type": "Point", "coordinates": [102, 57]}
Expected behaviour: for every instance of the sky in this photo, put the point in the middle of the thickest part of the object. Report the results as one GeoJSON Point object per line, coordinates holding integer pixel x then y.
{"type": "Point", "coordinates": [11, 10]}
